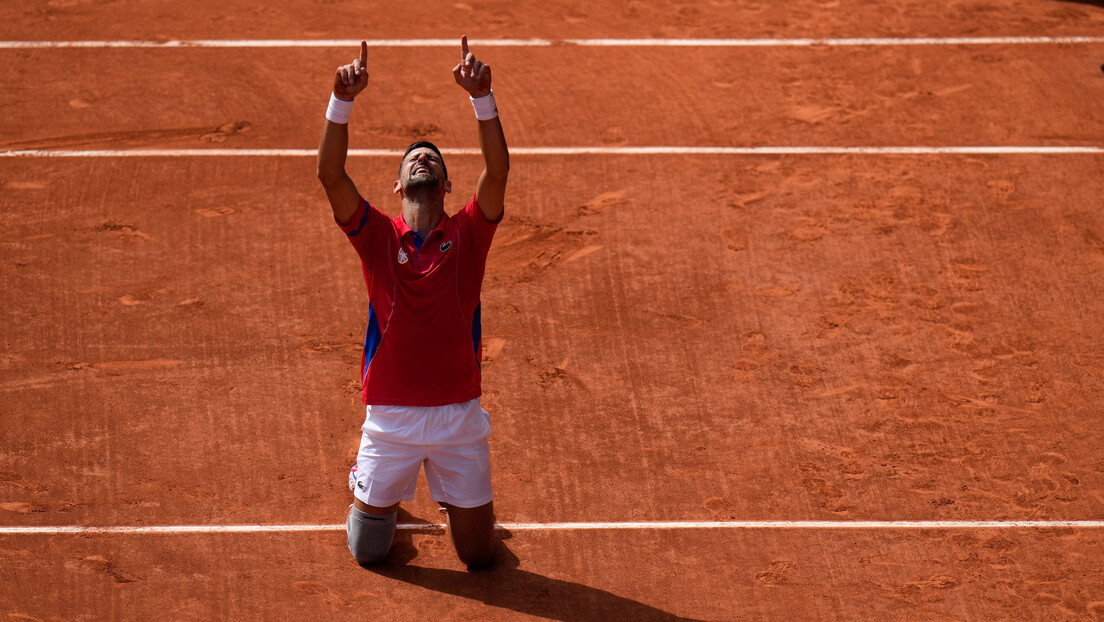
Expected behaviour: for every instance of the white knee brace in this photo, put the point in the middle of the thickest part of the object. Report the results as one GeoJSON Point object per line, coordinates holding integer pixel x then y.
{"type": "Point", "coordinates": [370, 535]}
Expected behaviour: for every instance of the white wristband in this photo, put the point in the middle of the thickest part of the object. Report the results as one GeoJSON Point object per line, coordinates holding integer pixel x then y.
{"type": "Point", "coordinates": [485, 108]}
{"type": "Point", "coordinates": [339, 110]}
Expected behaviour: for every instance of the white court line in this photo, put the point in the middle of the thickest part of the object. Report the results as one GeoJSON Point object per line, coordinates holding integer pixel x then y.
{"type": "Point", "coordinates": [177, 153]}
{"type": "Point", "coordinates": [835, 42]}
{"type": "Point", "coordinates": [661, 525]}
{"type": "Point", "coordinates": [346, 43]}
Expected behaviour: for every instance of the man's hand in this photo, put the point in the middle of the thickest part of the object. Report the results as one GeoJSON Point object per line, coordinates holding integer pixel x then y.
{"type": "Point", "coordinates": [471, 74]}
{"type": "Point", "coordinates": [351, 79]}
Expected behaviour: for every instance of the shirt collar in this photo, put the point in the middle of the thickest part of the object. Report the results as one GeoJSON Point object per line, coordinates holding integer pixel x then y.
{"type": "Point", "coordinates": [405, 229]}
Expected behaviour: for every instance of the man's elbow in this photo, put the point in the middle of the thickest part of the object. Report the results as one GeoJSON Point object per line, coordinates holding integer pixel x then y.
{"type": "Point", "coordinates": [329, 177]}
{"type": "Point", "coordinates": [499, 172]}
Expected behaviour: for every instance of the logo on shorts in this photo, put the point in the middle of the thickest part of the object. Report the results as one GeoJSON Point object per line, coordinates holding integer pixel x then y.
{"type": "Point", "coordinates": [360, 484]}
{"type": "Point", "coordinates": [446, 246]}
{"type": "Point", "coordinates": [403, 258]}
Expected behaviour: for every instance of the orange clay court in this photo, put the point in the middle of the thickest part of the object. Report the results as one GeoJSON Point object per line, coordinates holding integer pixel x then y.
{"type": "Point", "coordinates": [739, 384]}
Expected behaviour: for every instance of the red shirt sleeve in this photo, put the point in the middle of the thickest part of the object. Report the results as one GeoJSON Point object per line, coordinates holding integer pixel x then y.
{"type": "Point", "coordinates": [367, 221]}
{"type": "Point", "coordinates": [482, 229]}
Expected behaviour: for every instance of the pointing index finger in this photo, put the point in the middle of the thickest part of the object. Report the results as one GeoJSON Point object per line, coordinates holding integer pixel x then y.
{"type": "Point", "coordinates": [363, 53]}
{"type": "Point", "coordinates": [463, 47]}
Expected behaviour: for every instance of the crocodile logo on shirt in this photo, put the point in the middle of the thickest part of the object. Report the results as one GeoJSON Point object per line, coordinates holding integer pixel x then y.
{"type": "Point", "coordinates": [403, 258]}
{"type": "Point", "coordinates": [446, 246]}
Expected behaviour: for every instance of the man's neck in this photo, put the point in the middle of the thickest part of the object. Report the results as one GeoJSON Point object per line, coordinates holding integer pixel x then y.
{"type": "Point", "coordinates": [422, 217]}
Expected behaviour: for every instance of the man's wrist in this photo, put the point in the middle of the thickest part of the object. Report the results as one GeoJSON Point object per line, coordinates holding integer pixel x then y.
{"type": "Point", "coordinates": [484, 106]}
{"type": "Point", "coordinates": [339, 109]}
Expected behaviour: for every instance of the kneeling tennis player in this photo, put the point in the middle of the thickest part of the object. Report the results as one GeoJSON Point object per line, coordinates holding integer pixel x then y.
{"type": "Point", "coordinates": [420, 371]}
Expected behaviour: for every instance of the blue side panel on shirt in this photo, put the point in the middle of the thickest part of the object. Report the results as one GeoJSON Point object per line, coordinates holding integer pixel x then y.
{"type": "Point", "coordinates": [371, 340]}
{"type": "Point", "coordinates": [477, 332]}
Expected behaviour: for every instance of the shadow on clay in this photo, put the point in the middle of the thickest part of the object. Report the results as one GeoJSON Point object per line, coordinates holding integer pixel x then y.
{"type": "Point", "coordinates": [506, 586]}
{"type": "Point", "coordinates": [1096, 3]}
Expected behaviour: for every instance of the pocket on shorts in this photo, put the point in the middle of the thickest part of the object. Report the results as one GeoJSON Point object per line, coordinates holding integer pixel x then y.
{"type": "Point", "coordinates": [478, 425]}
{"type": "Point", "coordinates": [388, 423]}
{"type": "Point", "coordinates": [473, 425]}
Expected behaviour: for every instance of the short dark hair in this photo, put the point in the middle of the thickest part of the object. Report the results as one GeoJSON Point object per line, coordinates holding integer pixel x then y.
{"type": "Point", "coordinates": [428, 145]}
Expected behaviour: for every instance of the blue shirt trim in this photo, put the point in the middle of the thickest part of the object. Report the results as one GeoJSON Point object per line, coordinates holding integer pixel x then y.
{"type": "Point", "coordinates": [371, 340]}
{"type": "Point", "coordinates": [477, 332]}
{"type": "Point", "coordinates": [363, 219]}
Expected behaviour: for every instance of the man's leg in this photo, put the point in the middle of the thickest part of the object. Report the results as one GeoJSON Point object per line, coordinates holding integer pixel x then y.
{"type": "Point", "coordinates": [459, 478]}
{"type": "Point", "coordinates": [371, 530]}
{"type": "Point", "coordinates": [385, 473]}
{"type": "Point", "coordinates": [372, 509]}
{"type": "Point", "coordinates": [472, 533]}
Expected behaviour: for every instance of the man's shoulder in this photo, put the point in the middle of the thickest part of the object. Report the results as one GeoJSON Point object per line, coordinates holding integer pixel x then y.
{"type": "Point", "coordinates": [472, 213]}
{"type": "Point", "coordinates": [384, 224]}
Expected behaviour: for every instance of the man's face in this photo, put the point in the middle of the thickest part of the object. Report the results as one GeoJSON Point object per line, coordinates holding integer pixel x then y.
{"type": "Point", "coordinates": [422, 170]}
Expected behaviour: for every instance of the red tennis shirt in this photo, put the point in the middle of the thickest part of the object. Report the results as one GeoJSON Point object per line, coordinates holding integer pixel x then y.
{"type": "Point", "coordinates": [424, 339]}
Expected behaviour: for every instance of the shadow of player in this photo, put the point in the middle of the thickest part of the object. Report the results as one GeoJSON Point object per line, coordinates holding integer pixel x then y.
{"type": "Point", "coordinates": [506, 586]}
{"type": "Point", "coordinates": [1096, 3]}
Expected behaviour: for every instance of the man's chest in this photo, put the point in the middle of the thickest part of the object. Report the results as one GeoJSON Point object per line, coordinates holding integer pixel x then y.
{"type": "Point", "coordinates": [417, 259]}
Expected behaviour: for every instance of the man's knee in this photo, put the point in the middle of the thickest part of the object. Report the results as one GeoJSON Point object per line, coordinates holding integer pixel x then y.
{"type": "Point", "coordinates": [476, 560]}
{"type": "Point", "coordinates": [472, 531]}
{"type": "Point", "coordinates": [370, 535]}
{"type": "Point", "coordinates": [477, 552]}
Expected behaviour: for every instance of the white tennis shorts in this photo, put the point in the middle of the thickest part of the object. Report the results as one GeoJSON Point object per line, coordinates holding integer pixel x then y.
{"type": "Point", "coordinates": [451, 441]}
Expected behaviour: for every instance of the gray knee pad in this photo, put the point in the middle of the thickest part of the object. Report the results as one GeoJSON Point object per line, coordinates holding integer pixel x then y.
{"type": "Point", "coordinates": [370, 535]}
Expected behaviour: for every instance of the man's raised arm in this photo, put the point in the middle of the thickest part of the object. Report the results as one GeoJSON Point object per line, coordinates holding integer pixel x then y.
{"type": "Point", "coordinates": [350, 80]}
{"type": "Point", "coordinates": [475, 77]}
